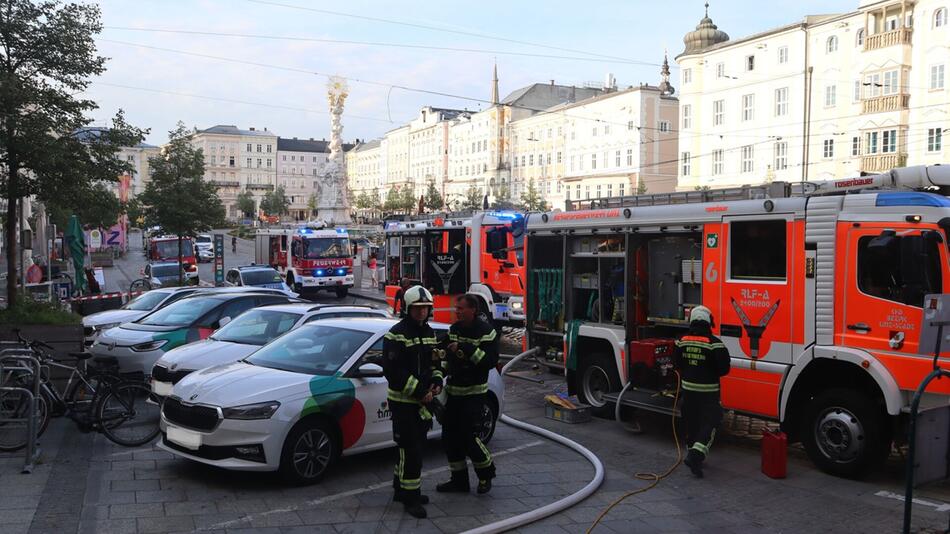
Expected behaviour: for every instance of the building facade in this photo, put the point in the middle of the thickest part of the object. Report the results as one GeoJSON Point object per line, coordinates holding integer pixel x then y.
{"type": "Point", "coordinates": [828, 96]}
{"type": "Point", "coordinates": [238, 160]}
{"type": "Point", "coordinates": [300, 166]}
{"type": "Point", "coordinates": [137, 157]}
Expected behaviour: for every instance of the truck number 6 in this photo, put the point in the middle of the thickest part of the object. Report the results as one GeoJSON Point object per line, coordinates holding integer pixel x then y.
{"type": "Point", "coordinates": [711, 273]}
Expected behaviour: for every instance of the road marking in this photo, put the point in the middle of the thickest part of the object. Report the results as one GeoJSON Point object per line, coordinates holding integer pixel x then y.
{"type": "Point", "coordinates": [938, 506]}
{"type": "Point", "coordinates": [350, 493]}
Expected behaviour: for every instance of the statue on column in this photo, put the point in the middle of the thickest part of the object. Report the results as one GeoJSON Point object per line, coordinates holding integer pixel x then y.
{"type": "Point", "coordinates": [332, 199]}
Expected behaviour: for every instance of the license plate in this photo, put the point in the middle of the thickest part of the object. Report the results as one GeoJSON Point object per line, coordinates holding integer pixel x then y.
{"type": "Point", "coordinates": [185, 438]}
{"type": "Point", "coordinates": [162, 389]}
{"type": "Point", "coordinates": [501, 309]}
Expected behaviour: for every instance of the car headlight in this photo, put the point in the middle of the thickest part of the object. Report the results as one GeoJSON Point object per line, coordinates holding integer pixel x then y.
{"type": "Point", "coordinates": [149, 345]}
{"type": "Point", "coordinates": [517, 305]}
{"type": "Point", "coordinates": [103, 327]}
{"type": "Point", "coordinates": [260, 410]}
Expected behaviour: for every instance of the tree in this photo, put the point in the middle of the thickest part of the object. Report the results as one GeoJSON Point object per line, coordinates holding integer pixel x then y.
{"type": "Point", "coordinates": [433, 199]}
{"type": "Point", "coordinates": [47, 57]}
{"type": "Point", "coordinates": [363, 201]}
{"type": "Point", "coordinates": [502, 200]}
{"type": "Point", "coordinates": [134, 211]}
{"type": "Point", "coordinates": [178, 199]}
{"type": "Point", "coordinates": [312, 204]}
{"type": "Point", "coordinates": [246, 204]}
{"type": "Point", "coordinates": [473, 199]}
{"type": "Point", "coordinates": [276, 202]}
{"type": "Point", "coordinates": [393, 201]}
{"type": "Point", "coordinates": [641, 187]}
{"type": "Point", "coordinates": [95, 205]}
{"type": "Point", "coordinates": [407, 200]}
{"type": "Point", "coordinates": [531, 199]}
{"type": "Point", "coordinates": [375, 204]}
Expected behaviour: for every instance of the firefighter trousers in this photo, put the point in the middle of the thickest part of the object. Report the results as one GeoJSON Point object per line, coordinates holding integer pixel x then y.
{"type": "Point", "coordinates": [409, 433]}
{"type": "Point", "coordinates": [464, 415]}
{"type": "Point", "coordinates": [703, 414]}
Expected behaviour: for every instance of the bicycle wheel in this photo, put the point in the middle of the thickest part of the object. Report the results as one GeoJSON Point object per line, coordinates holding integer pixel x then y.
{"type": "Point", "coordinates": [126, 416]}
{"type": "Point", "coordinates": [16, 405]}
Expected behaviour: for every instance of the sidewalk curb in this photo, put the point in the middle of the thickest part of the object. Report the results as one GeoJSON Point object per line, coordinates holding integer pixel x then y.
{"type": "Point", "coordinates": [368, 296]}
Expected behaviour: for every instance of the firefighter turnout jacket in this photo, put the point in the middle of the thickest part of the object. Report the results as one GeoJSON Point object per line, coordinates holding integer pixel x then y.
{"type": "Point", "coordinates": [701, 359]}
{"type": "Point", "coordinates": [407, 361]}
{"type": "Point", "coordinates": [475, 356]}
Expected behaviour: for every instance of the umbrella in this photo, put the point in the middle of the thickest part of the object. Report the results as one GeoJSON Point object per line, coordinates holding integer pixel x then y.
{"type": "Point", "coordinates": [77, 249]}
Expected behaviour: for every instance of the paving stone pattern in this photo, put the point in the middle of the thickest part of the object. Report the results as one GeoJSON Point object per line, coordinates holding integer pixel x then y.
{"type": "Point", "coordinates": [89, 485]}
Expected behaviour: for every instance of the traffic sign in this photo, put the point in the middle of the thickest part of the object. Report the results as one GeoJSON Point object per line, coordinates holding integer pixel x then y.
{"type": "Point", "coordinates": [218, 259]}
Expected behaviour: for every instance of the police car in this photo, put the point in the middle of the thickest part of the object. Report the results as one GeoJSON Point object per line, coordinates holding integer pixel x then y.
{"type": "Point", "coordinates": [297, 404]}
{"type": "Point", "coordinates": [239, 338]}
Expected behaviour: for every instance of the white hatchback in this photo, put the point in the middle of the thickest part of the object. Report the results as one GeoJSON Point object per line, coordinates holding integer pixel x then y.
{"type": "Point", "coordinates": [245, 334]}
{"type": "Point", "coordinates": [297, 404]}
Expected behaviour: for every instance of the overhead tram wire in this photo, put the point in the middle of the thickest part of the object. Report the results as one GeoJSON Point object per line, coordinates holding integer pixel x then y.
{"type": "Point", "coordinates": [372, 43]}
{"type": "Point", "coordinates": [438, 29]}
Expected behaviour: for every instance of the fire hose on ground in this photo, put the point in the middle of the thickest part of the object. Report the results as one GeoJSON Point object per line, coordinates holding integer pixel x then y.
{"type": "Point", "coordinates": [556, 506]}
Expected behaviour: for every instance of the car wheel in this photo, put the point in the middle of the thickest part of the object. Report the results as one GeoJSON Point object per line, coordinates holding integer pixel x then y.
{"type": "Point", "coordinates": [844, 433]}
{"type": "Point", "coordinates": [595, 377]}
{"type": "Point", "coordinates": [310, 450]}
{"type": "Point", "coordinates": [488, 419]}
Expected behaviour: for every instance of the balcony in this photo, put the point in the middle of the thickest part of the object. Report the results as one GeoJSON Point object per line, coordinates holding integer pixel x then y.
{"type": "Point", "coordinates": [881, 104]}
{"type": "Point", "coordinates": [219, 183]}
{"type": "Point", "coordinates": [883, 162]}
{"type": "Point", "coordinates": [261, 187]}
{"type": "Point", "coordinates": [900, 36]}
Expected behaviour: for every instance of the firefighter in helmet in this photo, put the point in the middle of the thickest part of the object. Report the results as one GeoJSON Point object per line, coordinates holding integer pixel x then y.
{"type": "Point", "coordinates": [471, 353]}
{"type": "Point", "coordinates": [413, 382]}
{"type": "Point", "coordinates": [701, 359]}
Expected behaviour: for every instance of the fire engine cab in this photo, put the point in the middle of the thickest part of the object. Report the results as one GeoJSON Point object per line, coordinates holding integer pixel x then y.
{"type": "Point", "coordinates": [311, 257]}
{"type": "Point", "coordinates": [483, 255]}
{"type": "Point", "coordinates": [816, 289]}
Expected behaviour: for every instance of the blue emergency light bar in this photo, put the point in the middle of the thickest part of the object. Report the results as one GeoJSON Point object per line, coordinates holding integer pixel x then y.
{"type": "Point", "coordinates": [505, 215]}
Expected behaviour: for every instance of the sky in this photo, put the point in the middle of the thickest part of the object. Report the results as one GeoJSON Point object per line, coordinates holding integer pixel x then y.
{"type": "Point", "coordinates": [270, 72]}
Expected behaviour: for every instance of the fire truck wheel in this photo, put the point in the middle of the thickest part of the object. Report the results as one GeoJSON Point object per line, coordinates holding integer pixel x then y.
{"type": "Point", "coordinates": [844, 433]}
{"type": "Point", "coordinates": [342, 292]}
{"type": "Point", "coordinates": [596, 377]}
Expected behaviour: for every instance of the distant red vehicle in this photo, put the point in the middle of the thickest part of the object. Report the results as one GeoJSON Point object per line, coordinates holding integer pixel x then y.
{"type": "Point", "coordinates": [165, 248]}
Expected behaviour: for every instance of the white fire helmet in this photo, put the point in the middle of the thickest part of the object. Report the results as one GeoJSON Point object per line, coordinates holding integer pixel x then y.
{"type": "Point", "coordinates": [701, 313]}
{"type": "Point", "coordinates": [418, 296]}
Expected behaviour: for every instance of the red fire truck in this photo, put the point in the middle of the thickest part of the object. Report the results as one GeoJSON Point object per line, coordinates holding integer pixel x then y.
{"type": "Point", "coordinates": [311, 257]}
{"type": "Point", "coordinates": [816, 289]}
{"type": "Point", "coordinates": [165, 248]}
{"type": "Point", "coordinates": [483, 255]}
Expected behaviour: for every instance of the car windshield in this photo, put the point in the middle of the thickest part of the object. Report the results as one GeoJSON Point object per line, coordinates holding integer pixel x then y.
{"type": "Point", "coordinates": [259, 277]}
{"type": "Point", "coordinates": [146, 301]}
{"type": "Point", "coordinates": [203, 239]}
{"type": "Point", "coordinates": [169, 249]}
{"type": "Point", "coordinates": [181, 313]}
{"type": "Point", "coordinates": [313, 349]}
{"type": "Point", "coordinates": [326, 247]}
{"type": "Point", "coordinates": [161, 271]}
{"type": "Point", "coordinates": [257, 327]}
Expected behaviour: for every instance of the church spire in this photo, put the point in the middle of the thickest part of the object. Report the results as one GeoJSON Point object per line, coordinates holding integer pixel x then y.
{"type": "Point", "coordinates": [494, 85]}
{"type": "Point", "coordinates": [666, 87]}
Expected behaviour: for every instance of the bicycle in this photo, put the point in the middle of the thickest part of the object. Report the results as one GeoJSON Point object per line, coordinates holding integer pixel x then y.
{"type": "Point", "coordinates": [99, 398]}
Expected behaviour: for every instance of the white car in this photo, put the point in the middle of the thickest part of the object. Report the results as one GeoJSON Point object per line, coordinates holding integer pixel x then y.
{"type": "Point", "coordinates": [245, 334]}
{"type": "Point", "coordinates": [204, 246]}
{"type": "Point", "coordinates": [133, 310]}
{"type": "Point", "coordinates": [297, 404]}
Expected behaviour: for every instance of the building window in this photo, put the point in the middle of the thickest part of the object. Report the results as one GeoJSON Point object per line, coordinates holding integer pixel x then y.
{"type": "Point", "coordinates": [606, 130]}
{"type": "Point", "coordinates": [940, 17]}
{"type": "Point", "coordinates": [687, 116]}
{"type": "Point", "coordinates": [750, 63]}
{"type": "Point", "coordinates": [859, 37]}
{"type": "Point", "coordinates": [259, 163]}
{"type": "Point", "coordinates": [620, 189]}
{"type": "Point", "coordinates": [890, 82]}
{"type": "Point", "coordinates": [617, 159]}
{"type": "Point", "coordinates": [268, 149]}
{"type": "Point", "coordinates": [720, 70]}
{"type": "Point", "coordinates": [610, 190]}
{"type": "Point", "coordinates": [891, 24]}
{"type": "Point", "coordinates": [781, 156]}
{"type": "Point", "coordinates": [889, 141]}
{"type": "Point", "coordinates": [855, 146]}
{"type": "Point", "coordinates": [757, 250]}
{"type": "Point", "coordinates": [687, 76]}
{"type": "Point", "coordinates": [781, 102]}
{"type": "Point", "coordinates": [284, 157]}
{"type": "Point", "coordinates": [231, 161]}
{"type": "Point", "coordinates": [606, 159]}
{"type": "Point", "coordinates": [593, 161]}
{"type": "Point", "coordinates": [248, 163]}
{"type": "Point", "coordinates": [315, 172]}
{"type": "Point", "coordinates": [664, 126]}
{"type": "Point", "coordinates": [831, 95]}
{"type": "Point", "coordinates": [873, 84]}
{"type": "Point", "coordinates": [594, 132]}
{"type": "Point", "coordinates": [937, 77]}
{"type": "Point", "coordinates": [719, 107]}
{"type": "Point", "coordinates": [782, 55]}
{"type": "Point", "coordinates": [248, 147]}
{"type": "Point", "coordinates": [314, 159]}
{"type": "Point", "coordinates": [629, 157]}
{"type": "Point", "coordinates": [572, 163]}
{"type": "Point", "coordinates": [857, 91]}
{"type": "Point", "coordinates": [828, 149]}
{"type": "Point", "coordinates": [629, 125]}
{"type": "Point", "coordinates": [686, 163]}
{"type": "Point", "coordinates": [259, 147]}
{"type": "Point", "coordinates": [831, 45]}
{"type": "Point", "coordinates": [586, 191]}
{"type": "Point", "coordinates": [934, 139]}
{"type": "Point", "coordinates": [717, 162]}
{"type": "Point", "coordinates": [746, 159]}
{"type": "Point", "coordinates": [598, 191]}
{"type": "Point", "coordinates": [748, 107]}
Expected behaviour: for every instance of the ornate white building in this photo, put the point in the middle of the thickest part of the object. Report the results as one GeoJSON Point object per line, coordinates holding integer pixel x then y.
{"type": "Point", "coordinates": [238, 160]}
{"type": "Point", "coordinates": [828, 96]}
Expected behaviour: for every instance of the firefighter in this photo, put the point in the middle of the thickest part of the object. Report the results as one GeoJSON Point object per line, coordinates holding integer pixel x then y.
{"type": "Point", "coordinates": [413, 382]}
{"type": "Point", "coordinates": [701, 359]}
{"type": "Point", "coordinates": [399, 302]}
{"type": "Point", "coordinates": [470, 354]}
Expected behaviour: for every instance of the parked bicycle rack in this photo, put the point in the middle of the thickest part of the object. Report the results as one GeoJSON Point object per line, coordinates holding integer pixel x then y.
{"type": "Point", "coordinates": [17, 362]}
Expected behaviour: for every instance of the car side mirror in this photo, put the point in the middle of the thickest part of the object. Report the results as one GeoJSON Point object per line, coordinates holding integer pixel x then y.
{"type": "Point", "coordinates": [223, 321]}
{"type": "Point", "coordinates": [369, 370]}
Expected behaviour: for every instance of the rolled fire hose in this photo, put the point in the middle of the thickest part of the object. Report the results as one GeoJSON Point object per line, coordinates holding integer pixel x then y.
{"type": "Point", "coordinates": [556, 506]}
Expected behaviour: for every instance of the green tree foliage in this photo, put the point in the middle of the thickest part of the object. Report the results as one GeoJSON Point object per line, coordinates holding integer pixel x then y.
{"type": "Point", "coordinates": [374, 200]}
{"type": "Point", "coordinates": [407, 200]}
{"type": "Point", "coordinates": [641, 187]}
{"type": "Point", "coordinates": [393, 201]}
{"type": "Point", "coordinates": [473, 199]}
{"type": "Point", "coordinates": [363, 201]}
{"type": "Point", "coordinates": [246, 204]}
{"type": "Point", "coordinates": [47, 57]}
{"type": "Point", "coordinates": [276, 202]}
{"type": "Point", "coordinates": [133, 210]}
{"type": "Point", "coordinates": [95, 205]}
{"type": "Point", "coordinates": [178, 199]}
{"type": "Point", "coordinates": [531, 199]}
{"type": "Point", "coordinates": [433, 199]}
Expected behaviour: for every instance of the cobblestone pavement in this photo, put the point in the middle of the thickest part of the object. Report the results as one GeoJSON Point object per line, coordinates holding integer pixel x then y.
{"type": "Point", "coordinates": [88, 485]}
